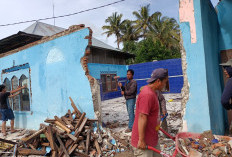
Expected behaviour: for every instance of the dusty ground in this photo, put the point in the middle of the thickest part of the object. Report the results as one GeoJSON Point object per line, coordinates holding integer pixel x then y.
{"type": "Point", "coordinates": [114, 115]}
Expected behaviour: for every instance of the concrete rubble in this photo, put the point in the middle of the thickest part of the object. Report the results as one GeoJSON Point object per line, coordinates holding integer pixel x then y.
{"type": "Point", "coordinates": [206, 145]}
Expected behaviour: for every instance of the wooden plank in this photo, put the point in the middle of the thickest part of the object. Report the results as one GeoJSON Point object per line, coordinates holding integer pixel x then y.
{"type": "Point", "coordinates": [67, 122]}
{"type": "Point", "coordinates": [46, 144]}
{"type": "Point", "coordinates": [80, 120]}
{"type": "Point", "coordinates": [63, 127]}
{"type": "Point", "coordinates": [78, 131]}
{"type": "Point", "coordinates": [33, 135]}
{"type": "Point", "coordinates": [59, 120]}
{"type": "Point", "coordinates": [92, 120]}
{"type": "Point", "coordinates": [72, 148]}
{"type": "Point", "coordinates": [97, 147]}
{"type": "Point", "coordinates": [62, 146]}
{"type": "Point", "coordinates": [74, 107]}
{"type": "Point", "coordinates": [72, 137]}
{"type": "Point", "coordinates": [51, 141]}
{"type": "Point", "coordinates": [25, 151]}
{"type": "Point", "coordinates": [68, 143]}
{"type": "Point", "coordinates": [32, 147]}
{"type": "Point", "coordinates": [87, 142]}
{"type": "Point", "coordinates": [49, 120]}
{"type": "Point", "coordinates": [54, 154]}
{"type": "Point", "coordinates": [58, 129]}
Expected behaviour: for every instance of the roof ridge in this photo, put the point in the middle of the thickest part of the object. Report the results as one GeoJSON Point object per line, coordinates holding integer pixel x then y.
{"type": "Point", "coordinates": [35, 27]}
{"type": "Point", "coordinates": [70, 30]}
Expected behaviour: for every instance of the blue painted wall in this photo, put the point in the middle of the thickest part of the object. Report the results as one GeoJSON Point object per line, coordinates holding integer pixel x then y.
{"type": "Point", "coordinates": [224, 12]}
{"type": "Point", "coordinates": [212, 54]}
{"type": "Point", "coordinates": [56, 74]}
{"type": "Point", "coordinates": [143, 73]}
{"type": "Point", "coordinates": [97, 69]}
{"type": "Point", "coordinates": [203, 110]}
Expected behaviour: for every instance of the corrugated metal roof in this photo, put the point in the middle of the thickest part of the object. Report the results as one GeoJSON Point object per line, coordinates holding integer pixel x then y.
{"type": "Point", "coordinates": [43, 29]}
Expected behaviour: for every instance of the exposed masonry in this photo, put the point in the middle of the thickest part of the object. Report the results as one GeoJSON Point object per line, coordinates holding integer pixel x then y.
{"type": "Point", "coordinates": [95, 88]}
{"type": "Point", "coordinates": [185, 89]}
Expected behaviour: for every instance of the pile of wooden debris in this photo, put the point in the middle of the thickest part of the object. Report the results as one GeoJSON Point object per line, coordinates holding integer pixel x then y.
{"type": "Point", "coordinates": [70, 135]}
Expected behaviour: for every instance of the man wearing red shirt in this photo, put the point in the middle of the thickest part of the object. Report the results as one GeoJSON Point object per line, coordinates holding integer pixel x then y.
{"type": "Point", "coordinates": [147, 116]}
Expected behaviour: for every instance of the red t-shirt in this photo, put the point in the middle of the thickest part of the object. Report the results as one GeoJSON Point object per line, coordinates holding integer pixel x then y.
{"type": "Point", "coordinates": [147, 103]}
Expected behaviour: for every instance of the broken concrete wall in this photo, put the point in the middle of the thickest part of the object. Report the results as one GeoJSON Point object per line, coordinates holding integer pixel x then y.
{"type": "Point", "coordinates": [199, 30]}
{"type": "Point", "coordinates": [55, 73]}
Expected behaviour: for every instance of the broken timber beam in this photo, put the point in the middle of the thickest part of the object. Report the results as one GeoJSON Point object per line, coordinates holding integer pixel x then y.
{"type": "Point", "coordinates": [63, 126]}
{"type": "Point", "coordinates": [74, 107]}
{"type": "Point", "coordinates": [25, 151]}
{"type": "Point", "coordinates": [80, 120]}
{"type": "Point", "coordinates": [78, 131]}
{"type": "Point", "coordinates": [33, 135]}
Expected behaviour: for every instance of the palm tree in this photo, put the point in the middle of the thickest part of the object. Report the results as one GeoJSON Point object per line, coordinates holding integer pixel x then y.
{"type": "Point", "coordinates": [114, 27]}
{"type": "Point", "coordinates": [143, 20]}
{"type": "Point", "coordinates": [129, 32]}
{"type": "Point", "coordinates": [164, 29]}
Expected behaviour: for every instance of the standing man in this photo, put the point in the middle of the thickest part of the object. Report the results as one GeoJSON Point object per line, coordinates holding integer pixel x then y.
{"type": "Point", "coordinates": [5, 110]}
{"type": "Point", "coordinates": [129, 91]}
{"type": "Point", "coordinates": [163, 109]}
{"type": "Point", "coordinates": [147, 116]}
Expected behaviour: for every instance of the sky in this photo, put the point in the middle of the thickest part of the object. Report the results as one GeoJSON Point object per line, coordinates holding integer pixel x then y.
{"type": "Point", "coordinates": [16, 11]}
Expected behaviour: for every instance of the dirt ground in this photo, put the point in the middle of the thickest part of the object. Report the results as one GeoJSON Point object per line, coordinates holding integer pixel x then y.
{"type": "Point", "coordinates": [115, 117]}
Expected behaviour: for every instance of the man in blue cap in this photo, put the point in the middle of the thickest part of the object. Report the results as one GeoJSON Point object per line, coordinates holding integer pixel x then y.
{"type": "Point", "coordinates": [147, 116]}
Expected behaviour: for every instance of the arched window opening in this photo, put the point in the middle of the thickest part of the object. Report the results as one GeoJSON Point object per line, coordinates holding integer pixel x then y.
{"type": "Point", "coordinates": [14, 85]}
{"type": "Point", "coordinates": [24, 95]}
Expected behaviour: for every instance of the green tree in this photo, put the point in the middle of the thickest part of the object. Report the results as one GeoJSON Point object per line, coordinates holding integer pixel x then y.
{"type": "Point", "coordinates": [166, 30]}
{"type": "Point", "coordinates": [129, 32]}
{"type": "Point", "coordinates": [115, 25]}
{"type": "Point", "coordinates": [143, 19]}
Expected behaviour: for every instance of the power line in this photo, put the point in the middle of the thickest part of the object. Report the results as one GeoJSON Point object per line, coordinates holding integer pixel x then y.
{"type": "Point", "coordinates": [54, 17]}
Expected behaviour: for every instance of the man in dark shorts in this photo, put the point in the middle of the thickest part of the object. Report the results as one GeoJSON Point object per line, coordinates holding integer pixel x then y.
{"type": "Point", "coordinates": [5, 110]}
